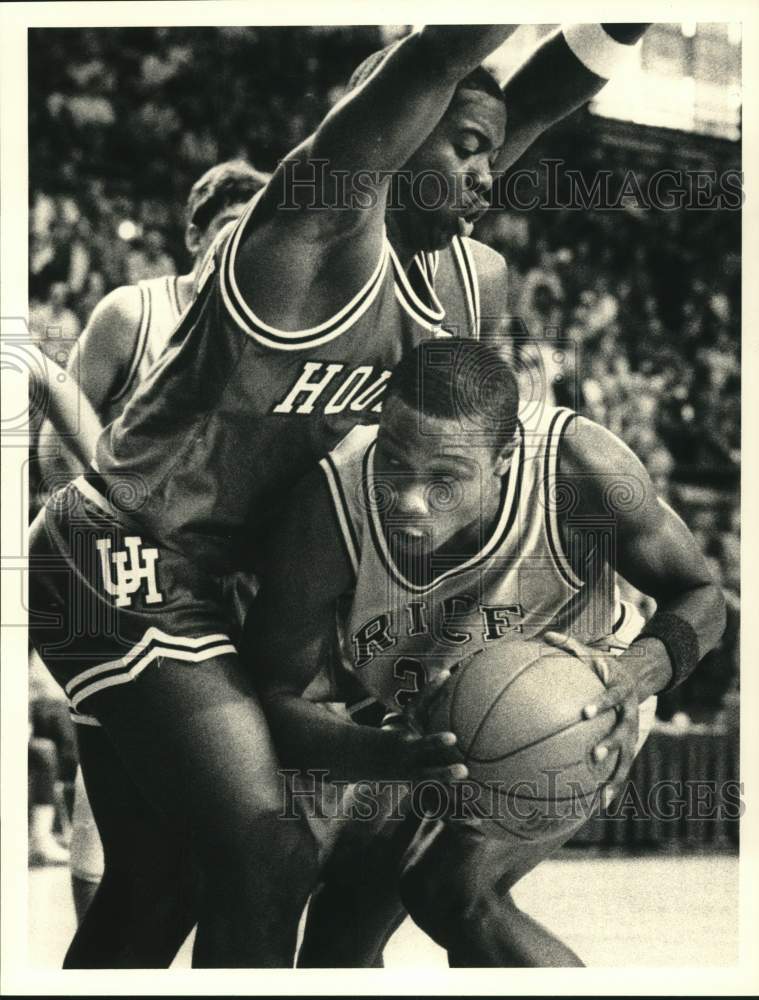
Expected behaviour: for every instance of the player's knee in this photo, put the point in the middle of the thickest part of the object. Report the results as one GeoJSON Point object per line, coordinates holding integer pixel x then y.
{"type": "Point", "coordinates": [266, 849]}
{"type": "Point", "coordinates": [454, 902]}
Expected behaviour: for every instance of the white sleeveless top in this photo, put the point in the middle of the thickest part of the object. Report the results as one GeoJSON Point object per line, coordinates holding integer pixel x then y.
{"type": "Point", "coordinates": [397, 633]}
{"type": "Point", "coordinates": [159, 317]}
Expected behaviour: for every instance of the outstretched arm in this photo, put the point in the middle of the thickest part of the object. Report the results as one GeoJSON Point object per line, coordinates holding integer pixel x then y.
{"type": "Point", "coordinates": [324, 207]}
{"type": "Point", "coordinates": [567, 69]}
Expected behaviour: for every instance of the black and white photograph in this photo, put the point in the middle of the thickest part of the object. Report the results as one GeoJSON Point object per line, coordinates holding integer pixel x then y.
{"type": "Point", "coordinates": [372, 499]}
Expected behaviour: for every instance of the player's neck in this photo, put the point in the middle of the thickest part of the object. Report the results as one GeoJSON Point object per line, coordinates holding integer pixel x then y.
{"type": "Point", "coordinates": [185, 289]}
{"type": "Point", "coordinates": [400, 241]}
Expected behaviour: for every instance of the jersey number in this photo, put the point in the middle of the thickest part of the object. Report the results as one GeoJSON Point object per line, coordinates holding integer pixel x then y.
{"type": "Point", "coordinates": [413, 676]}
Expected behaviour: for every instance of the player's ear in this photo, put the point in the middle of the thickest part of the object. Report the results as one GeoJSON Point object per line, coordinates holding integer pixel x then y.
{"type": "Point", "coordinates": [192, 239]}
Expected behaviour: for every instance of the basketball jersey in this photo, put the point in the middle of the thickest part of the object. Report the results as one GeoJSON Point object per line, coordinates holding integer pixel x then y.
{"type": "Point", "coordinates": [397, 634]}
{"type": "Point", "coordinates": [159, 316]}
{"type": "Point", "coordinates": [236, 411]}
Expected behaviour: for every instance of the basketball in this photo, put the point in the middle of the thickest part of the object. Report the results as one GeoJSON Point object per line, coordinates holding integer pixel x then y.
{"type": "Point", "coordinates": [516, 710]}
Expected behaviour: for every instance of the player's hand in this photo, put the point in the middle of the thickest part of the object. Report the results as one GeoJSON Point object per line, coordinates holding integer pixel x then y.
{"type": "Point", "coordinates": [426, 756]}
{"type": "Point", "coordinates": [621, 694]}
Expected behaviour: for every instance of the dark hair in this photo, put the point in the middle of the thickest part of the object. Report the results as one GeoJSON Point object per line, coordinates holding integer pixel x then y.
{"type": "Point", "coordinates": [225, 184]}
{"type": "Point", "coordinates": [462, 379]}
{"type": "Point", "coordinates": [479, 79]}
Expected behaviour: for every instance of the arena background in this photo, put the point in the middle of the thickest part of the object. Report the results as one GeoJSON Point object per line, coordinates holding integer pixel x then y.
{"type": "Point", "coordinates": [643, 301]}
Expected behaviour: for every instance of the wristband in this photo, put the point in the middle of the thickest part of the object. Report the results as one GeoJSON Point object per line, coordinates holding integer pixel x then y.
{"type": "Point", "coordinates": [679, 639]}
{"type": "Point", "coordinates": [596, 50]}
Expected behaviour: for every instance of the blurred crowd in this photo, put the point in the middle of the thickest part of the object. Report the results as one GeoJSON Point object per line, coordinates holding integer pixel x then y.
{"type": "Point", "coordinates": [637, 312]}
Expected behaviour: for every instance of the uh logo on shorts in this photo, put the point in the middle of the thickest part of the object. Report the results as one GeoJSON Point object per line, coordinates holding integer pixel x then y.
{"type": "Point", "coordinates": [135, 568]}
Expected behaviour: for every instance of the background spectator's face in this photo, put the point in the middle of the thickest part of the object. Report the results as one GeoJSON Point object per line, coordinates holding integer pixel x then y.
{"type": "Point", "coordinates": [153, 241]}
{"type": "Point", "coordinates": [543, 300]}
{"type": "Point", "coordinates": [58, 295]}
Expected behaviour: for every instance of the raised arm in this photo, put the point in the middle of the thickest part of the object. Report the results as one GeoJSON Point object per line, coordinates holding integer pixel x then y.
{"type": "Point", "coordinates": [335, 183]}
{"type": "Point", "coordinates": [567, 69]}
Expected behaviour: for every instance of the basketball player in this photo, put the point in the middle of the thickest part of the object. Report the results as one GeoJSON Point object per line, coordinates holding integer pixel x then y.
{"type": "Point", "coordinates": [130, 327]}
{"type": "Point", "coordinates": [454, 525]}
{"type": "Point", "coordinates": [127, 332]}
{"type": "Point", "coordinates": [301, 314]}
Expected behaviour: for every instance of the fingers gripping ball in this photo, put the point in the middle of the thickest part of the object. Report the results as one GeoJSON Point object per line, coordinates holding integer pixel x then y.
{"type": "Point", "coordinates": [517, 711]}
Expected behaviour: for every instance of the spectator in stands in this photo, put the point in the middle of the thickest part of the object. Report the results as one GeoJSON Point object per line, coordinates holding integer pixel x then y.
{"type": "Point", "coordinates": [52, 766]}
{"type": "Point", "coordinates": [53, 321]}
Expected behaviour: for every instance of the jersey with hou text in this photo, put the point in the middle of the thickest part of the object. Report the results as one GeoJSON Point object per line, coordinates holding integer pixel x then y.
{"type": "Point", "coordinates": [159, 315]}
{"type": "Point", "coordinates": [236, 411]}
{"type": "Point", "coordinates": [396, 634]}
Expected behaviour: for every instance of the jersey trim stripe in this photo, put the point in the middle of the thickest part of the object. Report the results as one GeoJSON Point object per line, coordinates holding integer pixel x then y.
{"type": "Point", "coordinates": [505, 521]}
{"type": "Point", "coordinates": [84, 720]}
{"type": "Point", "coordinates": [418, 310]}
{"type": "Point", "coordinates": [342, 511]}
{"type": "Point", "coordinates": [559, 423]}
{"type": "Point", "coordinates": [153, 644]}
{"type": "Point", "coordinates": [87, 490]}
{"type": "Point", "coordinates": [140, 343]}
{"type": "Point", "coordinates": [465, 261]}
{"type": "Point", "coordinates": [172, 287]}
{"type": "Point", "coordinates": [292, 340]}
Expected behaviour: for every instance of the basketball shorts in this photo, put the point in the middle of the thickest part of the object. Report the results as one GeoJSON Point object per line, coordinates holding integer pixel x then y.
{"type": "Point", "coordinates": [107, 603]}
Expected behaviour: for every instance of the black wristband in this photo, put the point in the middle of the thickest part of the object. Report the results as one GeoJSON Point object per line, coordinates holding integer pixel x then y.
{"type": "Point", "coordinates": [679, 639]}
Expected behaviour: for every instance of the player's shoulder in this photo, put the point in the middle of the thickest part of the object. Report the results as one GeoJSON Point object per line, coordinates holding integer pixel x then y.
{"type": "Point", "coordinates": [588, 446]}
{"type": "Point", "coordinates": [122, 306]}
{"type": "Point", "coordinates": [492, 282]}
{"type": "Point", "coordinates": [350, 451]}
{"type": "Point", "coordinates": [490, 264]}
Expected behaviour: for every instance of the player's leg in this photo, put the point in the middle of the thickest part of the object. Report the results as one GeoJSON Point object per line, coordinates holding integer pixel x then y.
{"type": "Point", "coordinates": [456, 885]}
{"type": "Point", "coordinates": [357, 906]}
{"type": "Point", "coordinates": [187, 732]}
{"type": "Point", "coordinates": [87, 864]}
{"type": "Point", "coordinates": [145, 903]}
{"type": "Point", "coordinates": [194, 740]}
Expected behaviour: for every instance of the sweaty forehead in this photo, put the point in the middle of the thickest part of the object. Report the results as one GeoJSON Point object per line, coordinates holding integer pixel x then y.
{"type": "Point", "coordinates": [475, 107]}
{"type": "Point", "coordinates": [410, 430]}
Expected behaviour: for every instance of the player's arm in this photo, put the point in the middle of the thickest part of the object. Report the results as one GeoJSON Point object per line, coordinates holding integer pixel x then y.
{"type": "Point", "coordinates": [70, 421]}
{"type": "Point", "coordinates": [567, 69]}
{"type": "Point", "coordinates": [289, 636]}
{"type": "Point", "coordinates": [102, 356]}
{"type": "Point", "coordinates": [334, 183]}
{"type": "Point", "coordinates": [657, 554]}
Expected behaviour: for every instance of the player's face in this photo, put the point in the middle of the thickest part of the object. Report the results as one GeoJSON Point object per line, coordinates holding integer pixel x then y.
{"type": "Point", "coordinates": [451, 172]}
{"type": "Point", "coordinates": [198, 241]}
{"type": "Point", "coordinates": [436, 483]}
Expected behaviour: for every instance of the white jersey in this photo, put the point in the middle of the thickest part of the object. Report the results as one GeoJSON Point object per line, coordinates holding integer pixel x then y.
{"type": "Point", "coordinates": [397, 633]}
{"type": "Point", "coordinates": [160, 313]}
